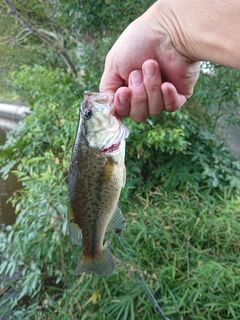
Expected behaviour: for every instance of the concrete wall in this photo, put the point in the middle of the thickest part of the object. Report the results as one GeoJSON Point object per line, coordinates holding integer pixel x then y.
{"type": "Point", "coordinates": [13, 112]}
{"type": "Point", "coordinates": [10, 115]}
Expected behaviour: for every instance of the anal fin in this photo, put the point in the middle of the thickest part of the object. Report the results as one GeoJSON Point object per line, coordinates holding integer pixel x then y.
{"type": "Point", "coordinates": [117, 222]}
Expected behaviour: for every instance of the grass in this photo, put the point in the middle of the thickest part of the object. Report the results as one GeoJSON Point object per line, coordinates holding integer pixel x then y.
{"type": "Point", "coordinates": [187, 245]}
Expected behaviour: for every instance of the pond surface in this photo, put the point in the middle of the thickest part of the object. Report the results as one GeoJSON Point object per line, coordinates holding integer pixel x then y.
{"type": "Point", "coordinates": [7, 187]}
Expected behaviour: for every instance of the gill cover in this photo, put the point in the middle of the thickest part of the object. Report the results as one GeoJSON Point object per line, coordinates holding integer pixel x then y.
{"type": "Point", "coordinates": [103, 129]}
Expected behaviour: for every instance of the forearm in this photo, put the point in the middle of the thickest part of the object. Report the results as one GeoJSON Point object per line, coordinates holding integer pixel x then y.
{"type": "Point", "coordinates": [203, 30]}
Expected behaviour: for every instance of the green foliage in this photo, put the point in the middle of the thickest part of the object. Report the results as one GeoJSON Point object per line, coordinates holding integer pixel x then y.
{"type": "Point", "coordinates": [40, 85]}
{"type": "Point", "coordinates": [52, 122]}
{"type": "Point", "coordinates": [83, 30]}
{"type": "Point", "coordinates": [219, 91]}
{"type": "Point", "coordinates": [40, 147]}
{"type": "Point", "coordinates": [187, 247]}
{"type": "Point", "coordinates": [176, 149]}
{"type": "Point", "coordinates": [185, 243]}
{"type": "Point", "coordinates": [18, 47]}
{"type": "Point", "coordinates": [102, 16]}
{"type": "Point", "coordinates": [99, 23]}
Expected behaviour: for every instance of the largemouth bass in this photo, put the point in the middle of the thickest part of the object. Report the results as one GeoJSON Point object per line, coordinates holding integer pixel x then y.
{"type": "Point", "coordinates": [96, 176]}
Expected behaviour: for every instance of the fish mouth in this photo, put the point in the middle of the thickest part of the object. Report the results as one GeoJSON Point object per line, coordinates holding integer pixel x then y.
{"type": "Point", "coordinates": [112, 148]}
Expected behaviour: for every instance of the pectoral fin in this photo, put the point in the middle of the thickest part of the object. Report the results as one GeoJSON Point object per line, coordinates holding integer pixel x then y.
{"type": "Point", "coordinates": [74, 230]}
{"type": "Point", "coordinates": [117, 222]}
{"type": "Point", "coordinates": [107, 172]}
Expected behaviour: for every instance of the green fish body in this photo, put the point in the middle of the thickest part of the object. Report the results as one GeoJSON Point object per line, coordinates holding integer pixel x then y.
{"type": "Point", "coordinates": [96, 176]}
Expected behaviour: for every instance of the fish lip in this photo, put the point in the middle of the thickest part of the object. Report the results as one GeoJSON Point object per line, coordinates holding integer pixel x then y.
{"type": "Point", "coordinates": [96, 97]}
{"type": "Point", "coordinates": [112, 148]}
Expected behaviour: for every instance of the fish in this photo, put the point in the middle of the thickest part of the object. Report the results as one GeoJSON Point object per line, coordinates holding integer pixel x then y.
{"type": "Point", "coordinates": [97, 174]}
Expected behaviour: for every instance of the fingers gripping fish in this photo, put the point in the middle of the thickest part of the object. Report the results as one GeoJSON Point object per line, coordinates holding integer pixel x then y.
{"type": "Point", "coordinates": [96, 176]}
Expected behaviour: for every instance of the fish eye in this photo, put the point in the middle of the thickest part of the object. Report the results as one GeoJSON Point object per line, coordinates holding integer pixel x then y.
{"type": "Point", "coordinates": [88, 114]}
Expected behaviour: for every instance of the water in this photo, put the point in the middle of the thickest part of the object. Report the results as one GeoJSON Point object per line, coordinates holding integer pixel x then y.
{"type": "Point", "coordinates": [7, 187]}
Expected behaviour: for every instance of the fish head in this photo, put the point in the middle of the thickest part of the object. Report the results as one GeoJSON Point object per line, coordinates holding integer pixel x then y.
{"type": "Point", "coordinates": [104, 132]}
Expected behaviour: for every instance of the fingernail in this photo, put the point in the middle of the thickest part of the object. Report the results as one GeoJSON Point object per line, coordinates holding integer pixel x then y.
{"type": "Point", "coordinates": [150, 70]}
{"type": "Point", "coordinates": [136, 78]}
{"type": "Point", "coordinates": [123, 98]}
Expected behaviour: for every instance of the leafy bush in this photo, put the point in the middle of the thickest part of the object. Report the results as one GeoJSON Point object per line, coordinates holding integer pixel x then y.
{"type": "Point", "coordinates": [185, 244]}
{"type": "Point", "coordinates": [175, 149]}
{"type": "Point", "coordinates": [218, 92]}
{"type": "Point", "coordinates": [40, 148]}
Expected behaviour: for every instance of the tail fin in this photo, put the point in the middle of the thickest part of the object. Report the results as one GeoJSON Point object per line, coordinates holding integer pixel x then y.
{"type": "Point", "coordinates": [102, 264]}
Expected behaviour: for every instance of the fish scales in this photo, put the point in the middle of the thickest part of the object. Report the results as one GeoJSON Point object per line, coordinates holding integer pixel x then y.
{"type": "Point", "coordinates": [96, 177]}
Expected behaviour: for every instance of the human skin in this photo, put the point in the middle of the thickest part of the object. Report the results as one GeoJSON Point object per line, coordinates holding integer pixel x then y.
{"type": "Point", "coordinates": [154, 64]}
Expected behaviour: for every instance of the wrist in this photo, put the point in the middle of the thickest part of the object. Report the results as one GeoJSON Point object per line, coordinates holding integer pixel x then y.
{"type": "Point", "coordinates": [167, 20]}
{"type": "Point", "coordinates": [202, 30]}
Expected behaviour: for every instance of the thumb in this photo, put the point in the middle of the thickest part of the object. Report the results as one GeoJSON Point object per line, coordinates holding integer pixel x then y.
{"type": "Point", "coordinates": [110, 81]}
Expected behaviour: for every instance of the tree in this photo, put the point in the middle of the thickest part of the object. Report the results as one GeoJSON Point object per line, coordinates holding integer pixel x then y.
{"type": "Point", "coordinates": [77, 33]}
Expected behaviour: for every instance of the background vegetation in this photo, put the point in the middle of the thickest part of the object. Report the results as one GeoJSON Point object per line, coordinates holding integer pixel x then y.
{"type": "Point", "coordinates": [181, 200]}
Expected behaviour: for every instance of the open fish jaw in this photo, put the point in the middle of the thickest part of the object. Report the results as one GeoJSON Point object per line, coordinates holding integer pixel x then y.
{"type": "Point", "coordinates": [103, 130]}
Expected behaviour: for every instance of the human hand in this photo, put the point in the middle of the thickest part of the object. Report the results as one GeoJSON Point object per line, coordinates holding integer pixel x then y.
{"type": "Point", "coordinates": [147, 71]}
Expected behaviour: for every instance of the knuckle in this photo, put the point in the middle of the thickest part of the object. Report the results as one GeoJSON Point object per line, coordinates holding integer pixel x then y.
{"type": "Point", "coordinates": [153, 88]}
{"type": "Point", "coordinates": [139, 97]}
{"type": "Point", "coordinates": [156, 111]}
